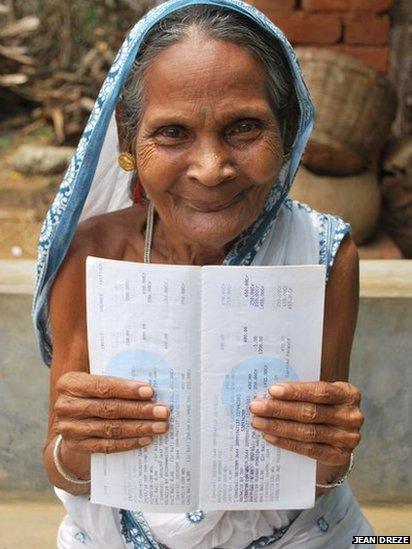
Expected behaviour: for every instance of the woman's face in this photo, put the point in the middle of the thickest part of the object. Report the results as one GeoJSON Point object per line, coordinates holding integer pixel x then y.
{"type": "Point", "coordinates": [208, 148]}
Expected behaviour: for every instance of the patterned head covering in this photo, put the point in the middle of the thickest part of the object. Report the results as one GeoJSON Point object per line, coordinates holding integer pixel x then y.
{"type": "Point", "coordinates": [94, 184]}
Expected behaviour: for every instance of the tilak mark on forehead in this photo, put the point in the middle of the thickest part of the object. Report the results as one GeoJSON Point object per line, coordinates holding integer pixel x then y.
{"type": "Point", "coordinates": [204, 112]}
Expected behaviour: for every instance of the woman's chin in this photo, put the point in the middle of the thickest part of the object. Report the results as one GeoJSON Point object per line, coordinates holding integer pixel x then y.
{"type": "Point", "coordinates": [215, 228]}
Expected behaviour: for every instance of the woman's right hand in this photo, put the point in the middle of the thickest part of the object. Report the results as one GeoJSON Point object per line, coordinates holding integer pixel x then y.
{"type": "Point", "coordinates": [103, 414]}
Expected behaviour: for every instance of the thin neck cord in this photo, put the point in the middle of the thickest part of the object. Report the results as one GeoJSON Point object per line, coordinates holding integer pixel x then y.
{"type": "Point", "coordinates": [149, 233]}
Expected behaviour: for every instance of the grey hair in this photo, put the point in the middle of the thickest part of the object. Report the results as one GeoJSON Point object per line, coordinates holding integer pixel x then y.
{"type": "Point", "coordinates": [220, 24]}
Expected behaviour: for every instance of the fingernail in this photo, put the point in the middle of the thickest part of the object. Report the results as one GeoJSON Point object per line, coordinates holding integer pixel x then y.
{"type": "Point", "coordinates": [144, 441]}
{"type": "Point", "coordinates": [277, 390]}
{"type": "Point", "coordinates": [159, 427]}
{"type": "Point", "coordinates": [257, 407]}
{"type": "Point", "coordinates": [160, 412]}
{"type": "Point", "coordinates": [270, 438]}
{"type": "Point", "coordinates": [145, 391]}
{"type": "Point", "coordinates": [259, 422]}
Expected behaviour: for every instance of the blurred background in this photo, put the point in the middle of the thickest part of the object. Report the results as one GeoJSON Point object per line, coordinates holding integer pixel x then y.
{"type": "Point", "coordinates": [356, 56]}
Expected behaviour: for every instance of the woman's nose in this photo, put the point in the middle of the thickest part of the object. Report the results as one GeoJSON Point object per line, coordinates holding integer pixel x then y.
{"type": "Point", "coordinates": [210, 163]}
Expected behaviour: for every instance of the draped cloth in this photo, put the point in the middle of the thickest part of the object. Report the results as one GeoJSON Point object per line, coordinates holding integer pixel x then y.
{"type": "Point", "coordinates": [285, 232]}
{"type": "Point", "coordinates": [331, 524]}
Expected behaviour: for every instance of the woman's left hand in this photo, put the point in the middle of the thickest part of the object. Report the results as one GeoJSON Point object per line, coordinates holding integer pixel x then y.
{"type": "Point", "coordinates": [318, 419]}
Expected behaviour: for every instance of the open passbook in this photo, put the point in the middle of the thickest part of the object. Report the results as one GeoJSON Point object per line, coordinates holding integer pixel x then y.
{"type": "Point", "coordinates": [209, 340]}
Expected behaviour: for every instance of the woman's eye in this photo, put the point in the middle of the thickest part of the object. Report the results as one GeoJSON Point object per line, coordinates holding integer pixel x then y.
{"type": "Point", "coordinates": [245, 130]}
{"type": "Point", "coordinates": [171, 134]}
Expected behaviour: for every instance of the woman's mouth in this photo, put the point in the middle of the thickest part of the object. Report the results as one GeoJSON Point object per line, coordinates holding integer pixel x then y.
{"type": "Point", "coordinates": [208, 206]}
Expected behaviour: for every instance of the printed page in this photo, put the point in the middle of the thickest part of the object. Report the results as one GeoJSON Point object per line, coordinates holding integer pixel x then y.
{"type": "Point", "coordinates": [259, 325]}
{"type": "Point", "coordinates": [143, 323]}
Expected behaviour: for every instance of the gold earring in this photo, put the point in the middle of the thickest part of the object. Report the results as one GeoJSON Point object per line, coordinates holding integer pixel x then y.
{"type": "Point", "coordinates": [127, 162]}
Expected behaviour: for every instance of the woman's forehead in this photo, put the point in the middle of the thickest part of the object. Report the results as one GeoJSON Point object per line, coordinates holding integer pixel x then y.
{"type": "Point", "coordinates": [194, 70]}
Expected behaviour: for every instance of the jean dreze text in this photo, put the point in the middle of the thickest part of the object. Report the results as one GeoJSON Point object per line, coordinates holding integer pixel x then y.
{"type": "Point", "coordinates": [364, 540]}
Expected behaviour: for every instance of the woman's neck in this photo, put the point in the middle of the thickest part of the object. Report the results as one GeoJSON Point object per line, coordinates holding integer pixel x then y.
{"type": "Point", "coordinates": [173, 249]}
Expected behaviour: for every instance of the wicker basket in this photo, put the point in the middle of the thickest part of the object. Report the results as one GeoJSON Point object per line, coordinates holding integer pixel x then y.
{"type": "Point", "coordinates": [356, 199]}
{"type": "Point", "coordinates": [355, 107]}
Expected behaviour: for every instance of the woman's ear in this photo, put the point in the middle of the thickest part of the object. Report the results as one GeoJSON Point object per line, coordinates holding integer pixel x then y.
{"type": "Point", "coordinates": [136, 189]}
{"type": "Point", "coordinates": [119, 124]}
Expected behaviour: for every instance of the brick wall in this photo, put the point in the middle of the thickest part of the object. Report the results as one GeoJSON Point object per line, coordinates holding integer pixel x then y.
{"type": "Point", "coordinates": [359, 28]}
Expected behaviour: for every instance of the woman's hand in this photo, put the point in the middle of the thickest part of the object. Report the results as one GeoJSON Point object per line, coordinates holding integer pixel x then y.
{"type": "Point", "coordinates": [319, 419]}
{"type": "Point", "coordinates": [102, 414]}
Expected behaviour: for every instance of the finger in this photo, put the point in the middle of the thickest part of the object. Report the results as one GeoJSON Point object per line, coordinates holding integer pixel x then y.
{"type": "Point", "coordinates": [72, 407]}
{"type": "Point", "coordinates": [82, 384]}
{"type": "Point", "coordinates": [322, 392]}
{"type": "Point", "coordinates": [324, 453]}
{"type": "Point", "coordinates": [308, 412]}
{"type": "Point", "coordinates": [117, 429]}
{"type": "Point", "coordinates": [106, 446]}
{"type": "Point", "coordinates": [304, 432]}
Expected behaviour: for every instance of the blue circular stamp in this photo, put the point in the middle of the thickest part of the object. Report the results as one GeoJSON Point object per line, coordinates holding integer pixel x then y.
{"type": "Point", "coordinates": [149, 367]}
{"type": "Point", "coordinates": [250, 379]}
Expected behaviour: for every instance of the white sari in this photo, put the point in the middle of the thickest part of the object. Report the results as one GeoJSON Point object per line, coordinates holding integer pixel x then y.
{"type": "Point", "coordinates": [285, 233]}
{"type": "Point", "coordinates": [299, 236]}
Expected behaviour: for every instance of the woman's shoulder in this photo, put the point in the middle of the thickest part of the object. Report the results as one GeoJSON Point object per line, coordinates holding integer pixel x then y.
{"type": "Point", "coordinates": [327, 231]}
{"type": "Point", "coordinates": [114, 235]}
{"type": "Point", "coordinates": [108, 234]}
{"type": "Point", "coordinates": [307, 214]}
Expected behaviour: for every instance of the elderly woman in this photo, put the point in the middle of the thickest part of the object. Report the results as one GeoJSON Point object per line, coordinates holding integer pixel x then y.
{"type": "Point", "coordinates": [206, 108]}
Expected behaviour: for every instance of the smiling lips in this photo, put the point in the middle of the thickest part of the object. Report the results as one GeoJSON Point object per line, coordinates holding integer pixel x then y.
{"type": "Point", "coordinates": [206, 206]}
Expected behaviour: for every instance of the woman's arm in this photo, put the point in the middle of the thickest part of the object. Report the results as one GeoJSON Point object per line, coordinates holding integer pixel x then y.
{"type": "Point", "coordinates": [92, 413]}
{"type": "Point", "coordinates": [341, 313]}
{"type": "Point", "coordinates": [322, 419]}
{"type": "Point", "coordinates": [68, 324]}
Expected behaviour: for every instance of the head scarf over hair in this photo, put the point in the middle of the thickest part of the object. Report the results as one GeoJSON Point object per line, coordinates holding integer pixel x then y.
{"type": "Point", "coordinates": [95, 184]}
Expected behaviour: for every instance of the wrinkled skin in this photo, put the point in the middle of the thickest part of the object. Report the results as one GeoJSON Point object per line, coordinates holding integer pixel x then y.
{"type": "Point", "coordinates": [208, 138]}
{"type": "Point", "coordinates": [207, 152]}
